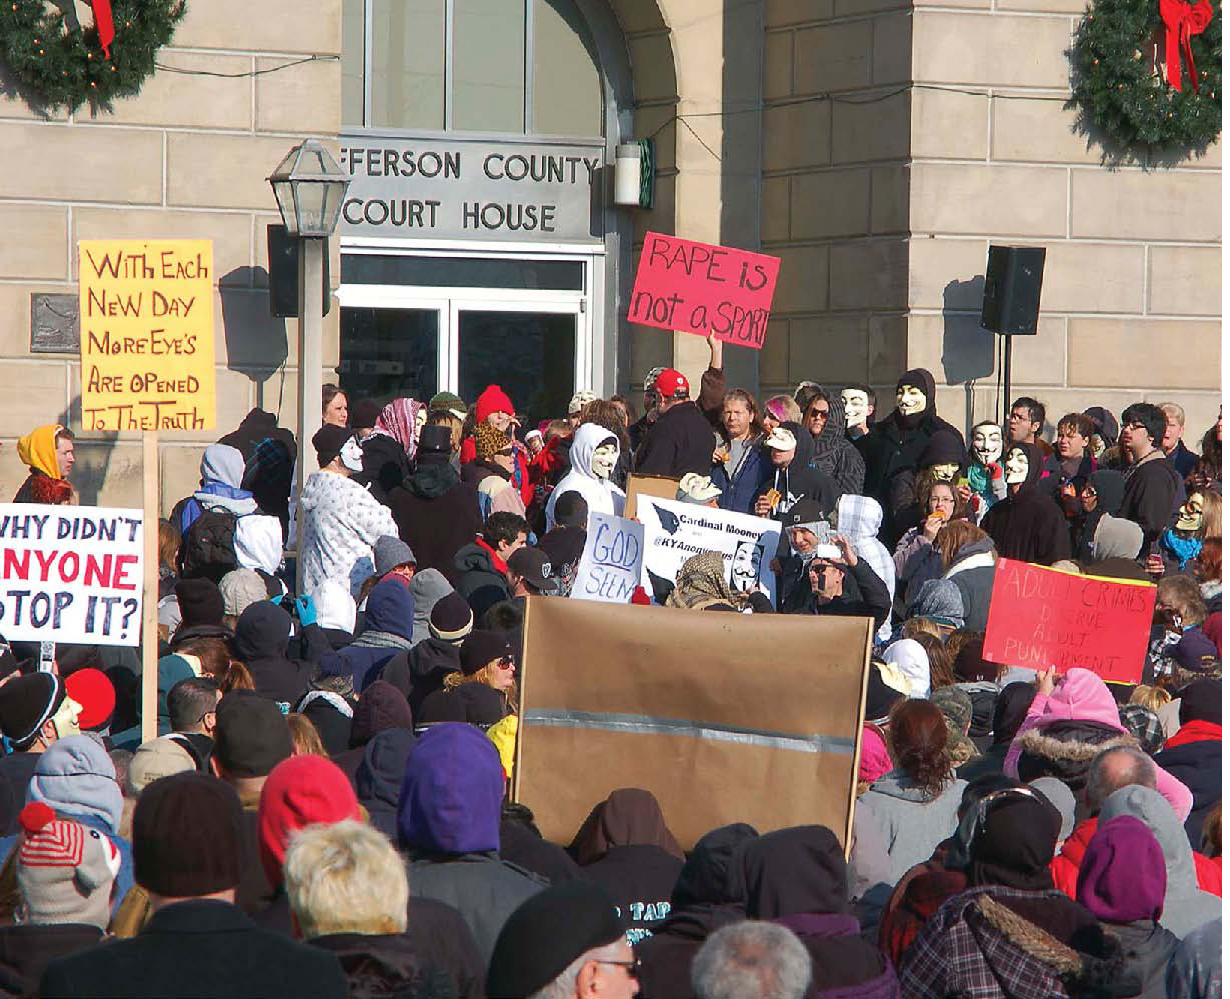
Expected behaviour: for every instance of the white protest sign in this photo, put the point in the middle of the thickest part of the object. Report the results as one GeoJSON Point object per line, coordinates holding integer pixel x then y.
{"type": "Point", "coordinates": [674, 532]}
{"type": "Point", "coordinates": [70, 574]}
{"type": "Point", "coordinates": [610, 566]}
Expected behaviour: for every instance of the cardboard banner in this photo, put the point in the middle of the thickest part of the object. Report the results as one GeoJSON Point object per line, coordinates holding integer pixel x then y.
{"type": "Point", "coordinates": [674, 532]}
{"type": "Point", "coordinates": [611, 564]}
{"type": "Point", "coordinates": [724, 717]}
{"type": "Point", "coordinates": [147, 334]}
{"type": "Point", "coordinates": [70, 574]}
{"type": "Point", "coordinates": [648, 485]}
{"type": "Point", "coordinates": [1044, 617]}
{"type": "Point", "coordinates": [700, 288]}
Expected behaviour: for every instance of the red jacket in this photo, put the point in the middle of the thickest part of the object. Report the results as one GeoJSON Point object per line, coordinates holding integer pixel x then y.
{"type": "Point", "coordinates": [1067, 864]}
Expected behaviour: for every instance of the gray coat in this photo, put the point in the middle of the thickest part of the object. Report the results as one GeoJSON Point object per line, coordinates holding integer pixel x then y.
{"type": "Point", "coordinates": [912, 825]}
{"type": "Point", "coordinates": [1149, 948]}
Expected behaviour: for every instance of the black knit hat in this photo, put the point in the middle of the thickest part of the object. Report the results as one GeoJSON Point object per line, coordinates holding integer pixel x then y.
{"type": "Point", "coordinates": [26, 702]}
{"type": "Point", "coordinates": [329, 441]}
{"type": "Point", "coordinates": [441, 706]}
{"type": "Point", "coordinates": [480, 647]}
{"type": "Point", "coordinates": [187, 836]}
{"type": "Point", "coordinates": [452, 619]}
{"type": "Point", "coordinates": [805, 511]}
{"type": "Point", "coordinates": [252, 736]}
{"type": "Point", "coordinates": [1200, 700]}
{"type": "Point", "coordinates": [546, 933]}
{"type": "Point", "coordinates": [200, 603]}
{"type": "Point", "coordinates": [365, 413]}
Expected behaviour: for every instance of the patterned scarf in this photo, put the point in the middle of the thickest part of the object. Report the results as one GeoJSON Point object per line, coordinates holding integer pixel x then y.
{"type": "Point", "coordinates": [701, 582]}
{"type": "Point", "coordinates": [400, 420]}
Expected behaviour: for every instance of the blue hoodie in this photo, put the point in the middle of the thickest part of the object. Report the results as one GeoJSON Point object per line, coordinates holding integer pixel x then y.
{"type": "Point", "coordinates": [388, 629]}
{"type": "Point", "coordinates": [452, 793]}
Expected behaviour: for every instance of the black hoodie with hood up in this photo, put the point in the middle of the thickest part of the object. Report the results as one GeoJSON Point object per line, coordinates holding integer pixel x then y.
{"type": "Point", "coordinates": [436, 514]}
{"type": "Point", "coordinates": [1028, 525]}
{"type": "Point", "coordinates": [261, 637]}
{"type": "Point", "coordinates": [832, 453]}
{"type": "Point", "coordinates": [801, 479]}
{"type": "Point", "coordinates": [893, 448]}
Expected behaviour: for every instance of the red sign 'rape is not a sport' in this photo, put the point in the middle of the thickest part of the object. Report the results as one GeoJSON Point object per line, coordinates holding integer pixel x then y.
{"type": "Point", "coordinates": [1043, 617]}
{"type": "Point", "coordinates": [700, 288]}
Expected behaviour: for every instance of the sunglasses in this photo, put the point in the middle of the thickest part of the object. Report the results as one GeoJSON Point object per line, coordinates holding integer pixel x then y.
{"type": "Point", "coordinates": [505, 662]}
{"type": "Point", "coordinates": [632, 967]}
{"type": "Point", "coordinates": [818, 412]}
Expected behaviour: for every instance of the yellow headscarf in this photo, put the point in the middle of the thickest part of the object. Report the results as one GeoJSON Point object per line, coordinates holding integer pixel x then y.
{"type": "Point", "coordinates": [37, 450]}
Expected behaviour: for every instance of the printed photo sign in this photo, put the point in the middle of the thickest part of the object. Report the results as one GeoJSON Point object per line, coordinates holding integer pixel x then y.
{"type": "Point", "coordinates": [70, 574]}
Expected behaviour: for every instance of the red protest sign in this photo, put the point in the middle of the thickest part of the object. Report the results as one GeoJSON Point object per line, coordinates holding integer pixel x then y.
{"type": "Point", "coordinates": [700, 288]}
{"type": "Point", "coordinates": [1043, 617]}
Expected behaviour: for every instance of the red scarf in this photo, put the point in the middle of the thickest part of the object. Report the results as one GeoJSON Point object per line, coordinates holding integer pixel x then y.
{"type": "Point", "coordinates": [496, 561]}
{"type": "Point", "coordinates": [1195, 731]}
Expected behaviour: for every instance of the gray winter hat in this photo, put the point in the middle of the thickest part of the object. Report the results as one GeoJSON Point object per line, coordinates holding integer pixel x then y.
{"type": "Point", "coordinates": [240, 588]}
{"type": "Point", "coordinates": [392, 552]}
{"type": "Point", "coordinates": [940, 600]}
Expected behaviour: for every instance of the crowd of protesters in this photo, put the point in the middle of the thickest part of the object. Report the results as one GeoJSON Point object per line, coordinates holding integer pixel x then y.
{"type": "Point", "coordinates": [326, 812]}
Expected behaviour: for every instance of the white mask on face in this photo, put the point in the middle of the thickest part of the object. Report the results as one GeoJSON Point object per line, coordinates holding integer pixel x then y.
{"type": "Point", "coordinates": [911, 400]}
{"type": "Point", "coordinates": [856, 406]}
{"type": "Point", "coordinates": [1017, 467]}
{"type": "Point", "coordinates": [352, 455]}
{"type": "Point", "coordinates": [944, 473]}
{"type": "Point", "coordinates": [602, 464]}
{"type": "Point", "coordinates": [988, 443]}
{"type": "Point", "coordinates": [1191, 514]}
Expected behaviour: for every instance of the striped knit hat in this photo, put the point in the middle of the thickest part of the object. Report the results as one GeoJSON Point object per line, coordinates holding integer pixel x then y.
{"type": "Point", "coordinates": [65, 870]}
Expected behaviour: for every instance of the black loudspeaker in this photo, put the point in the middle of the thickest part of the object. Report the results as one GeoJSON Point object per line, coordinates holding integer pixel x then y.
{"type": "Point", "coordinates": [1013, 289]}
{"type": "Point", "coordinates": [284, 274]}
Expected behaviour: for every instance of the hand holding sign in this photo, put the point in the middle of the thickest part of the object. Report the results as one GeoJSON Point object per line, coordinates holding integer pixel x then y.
{"type": "Point", "coordinates": [700, 288]}
{"type": "Point", "coordinates": [610, 566]}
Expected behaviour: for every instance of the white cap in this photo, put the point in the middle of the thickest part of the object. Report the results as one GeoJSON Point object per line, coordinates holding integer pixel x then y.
{"type": "Point", "coordinates": [781, 439]}
{"type": "Point", "coordinates": [695, 488]}
{"type": "Point", "coordinates": [533, 433]}
{"type": "Point", "coordinates": [579, 401]}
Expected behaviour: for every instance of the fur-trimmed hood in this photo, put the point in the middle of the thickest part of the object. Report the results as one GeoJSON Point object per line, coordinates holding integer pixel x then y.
{"type": "Point", "coordinates": [1074, 742]}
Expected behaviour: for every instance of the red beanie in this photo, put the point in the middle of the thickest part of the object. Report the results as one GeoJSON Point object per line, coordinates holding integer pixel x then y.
{"type": "Point", "coordinates": [493, 400]}
{"type": "Point", "coordinates": [92, 689]}
{"type": "Point", "coordinates": [300, 791]}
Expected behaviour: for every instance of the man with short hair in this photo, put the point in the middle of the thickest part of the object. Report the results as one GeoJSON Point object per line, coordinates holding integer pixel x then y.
{"type": "Point", "coordinates": [1025, 422]}
{"type": "Point", "coordinates": [680, 440]}
{"type": "Point", "coordinates": [1152, 485]}
{"type": "Point", "coordinates": [531, 573]}
{"type": "Point", "coordinates": [251, 738]}
{"type": "Point", "coordinates": [35, 712]}
{"type": "Point", "coordinates": [187, 849]}
{"type": "Point", "coordinates": [192, 705]}
{"type": "Point", "coordinates": [1181, 459]}
{"type": "Point", "coordinates": [751, 960]}
{"type": "Point", "coordinates": [482, 565]}
{"type": "Point", "coordinates": [48, 452]}
{"type": "Point", "coordinates": [564, 943]}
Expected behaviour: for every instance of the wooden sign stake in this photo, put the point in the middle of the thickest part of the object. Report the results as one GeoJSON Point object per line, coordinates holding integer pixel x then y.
{"type": "Point", "coordinates": [149, 622]}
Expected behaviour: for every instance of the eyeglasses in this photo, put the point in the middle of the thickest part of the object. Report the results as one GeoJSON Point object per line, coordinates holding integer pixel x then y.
{"type": "Point", "coordinates": [1133, 426]}
{"type": "Point", "coordinates": [632, 967]}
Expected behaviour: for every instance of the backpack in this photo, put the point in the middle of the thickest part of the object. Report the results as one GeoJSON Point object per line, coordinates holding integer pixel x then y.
{"type": "Point", "coordinates": [208, 549]}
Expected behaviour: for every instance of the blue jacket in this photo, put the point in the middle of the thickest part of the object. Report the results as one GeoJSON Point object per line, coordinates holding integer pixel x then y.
{"type": "Point", "coordinates": [388, 629]}
{"type": "Point", "coordinates": [739, 491]}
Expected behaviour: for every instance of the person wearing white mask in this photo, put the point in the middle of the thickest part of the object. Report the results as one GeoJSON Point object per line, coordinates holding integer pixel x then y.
{"type": "Point", "coordinates": [1027, 524]}
{"type": "Point", "coordinates": [594, 455]}
{"type": "Point", "coordinates": [339, 520]}
{"type": "Point", "coordinates": [859, 402]}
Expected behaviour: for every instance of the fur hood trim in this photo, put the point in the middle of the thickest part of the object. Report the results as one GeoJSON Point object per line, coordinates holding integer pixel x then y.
{"type": "Point", "coordinates": [1036, 742]}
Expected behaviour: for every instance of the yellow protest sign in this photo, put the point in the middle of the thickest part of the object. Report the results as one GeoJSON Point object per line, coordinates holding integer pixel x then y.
{"type": "Point", "coordinates": [147, 334]}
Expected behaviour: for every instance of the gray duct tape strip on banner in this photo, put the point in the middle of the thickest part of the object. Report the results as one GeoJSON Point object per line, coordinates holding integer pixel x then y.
{"type": "Point", "coordinates": [649, 725]}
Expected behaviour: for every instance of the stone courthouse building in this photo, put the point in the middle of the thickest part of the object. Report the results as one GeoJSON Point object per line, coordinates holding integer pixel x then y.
{"type": "Point", "coordinates": [876, 146]}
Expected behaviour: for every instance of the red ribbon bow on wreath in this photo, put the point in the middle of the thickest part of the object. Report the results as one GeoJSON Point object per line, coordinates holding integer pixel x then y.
{"type": "Point", "coordinates": [106, 27]}
{"type": "Point", "coordinates": [1182, 20]}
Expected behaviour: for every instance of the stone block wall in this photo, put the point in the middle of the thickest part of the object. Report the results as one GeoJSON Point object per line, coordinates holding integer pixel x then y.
{"type": "Point", "coordinates": [834, 194]}
{"type": "Point", "coordinates": [186, 157]}
{"type": "Point", "coordinates": [1132, 288]}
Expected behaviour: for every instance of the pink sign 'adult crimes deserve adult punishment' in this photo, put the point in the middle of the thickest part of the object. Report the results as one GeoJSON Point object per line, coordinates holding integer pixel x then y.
{"type": "Point", "coordinates": [1043, 617]}
{"type": "Point", "coordinates": [700, 288]}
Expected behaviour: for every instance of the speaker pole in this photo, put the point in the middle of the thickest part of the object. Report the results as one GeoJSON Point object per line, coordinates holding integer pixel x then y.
{"type": "Point", "coordinates": [1007, 376]}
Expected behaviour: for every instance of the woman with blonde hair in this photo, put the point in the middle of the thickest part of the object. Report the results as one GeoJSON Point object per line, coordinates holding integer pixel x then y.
{"type": "Point", "coordinates": [487, 658]}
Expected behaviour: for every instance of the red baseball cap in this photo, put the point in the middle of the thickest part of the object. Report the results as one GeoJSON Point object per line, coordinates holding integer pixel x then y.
{"type": "Point", "coordinates": [93, 690]}
{"type": "Point", "coordinates": [672, 385]}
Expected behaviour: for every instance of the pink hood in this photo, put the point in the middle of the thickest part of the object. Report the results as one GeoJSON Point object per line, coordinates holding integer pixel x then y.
{"type": "Point", "coordinates": [873, 760]}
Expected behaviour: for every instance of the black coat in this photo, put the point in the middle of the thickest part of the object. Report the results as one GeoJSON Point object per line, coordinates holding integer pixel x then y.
{"type": "Point", "coordinates": [385, 466]}
{"type": "Point", "coordinates": [200, 948]}
{"type": "Point", "coordinates": [863, 593]}
{"type": "Point", "coordinates": [397, 964]}
{"type": "Point", "coordinates": [1028, 525]}
{"type": "Point", "coordinates": [1198, 766]}
{"type": "Point", "coordinates": [681, 440]}
{"type": "Point", "coordinates": [478, 579]}
{"type": "Point", "coordinates": [25, 952]}
{"type": "Point", "coordinates": [640, 879]}
{"type": "Point", "coordinates": [436, 513]}
{"type": "Point", "coordinates": [421, 670]}
{"type": "Point", "coordinates": [522, 844]}
{"type": "Point", "coordinates": [1149, 497]}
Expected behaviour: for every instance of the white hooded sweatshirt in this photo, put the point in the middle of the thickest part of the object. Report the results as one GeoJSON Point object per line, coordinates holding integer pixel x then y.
{"type": "Point", "coordinates": [601, 494]}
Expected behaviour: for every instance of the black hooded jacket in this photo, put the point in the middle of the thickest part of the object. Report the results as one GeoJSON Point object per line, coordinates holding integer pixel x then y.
{"type": "Point", "coordinates": [261, 637]}
{"type": "Point", "coordinates": [831, 451]}
{"type": "Point", "coordinates": [379, 777]}
{"type": "Point", "coordinates": [801, 479]}
{"type": "Point", "coordinates": [893, 448]}
{"type": "Point", "coordinates": [436, 514]}
{"type": "Point", "coordinates": [1028, 525]}
{"type": "Point", "coordinates": [1109, 486]}
{"type": "Point", "coordinates": [679, 441]}
{"type": "Point", "coordinates": [421, 670]}
{"type": "Point", "coordinates": [705, 899]}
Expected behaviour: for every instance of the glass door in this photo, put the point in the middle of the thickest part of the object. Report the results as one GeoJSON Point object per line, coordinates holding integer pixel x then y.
{"type": "Point", "coordinates": [387, 352]}
{"type": "Point", "coordinates": [529, 349]}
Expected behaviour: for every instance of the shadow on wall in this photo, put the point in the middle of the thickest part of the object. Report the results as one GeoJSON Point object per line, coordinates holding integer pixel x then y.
{"type": "Point", "coordinates": [968, 350]}
{"type": "Point", "coordinates": [256, 341]}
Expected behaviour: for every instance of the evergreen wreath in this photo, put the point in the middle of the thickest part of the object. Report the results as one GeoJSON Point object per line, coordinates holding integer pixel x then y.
{"type": "Point", "coordinates": [1117, 87]}
{"type": "Point", "coordinates": [65, 62]}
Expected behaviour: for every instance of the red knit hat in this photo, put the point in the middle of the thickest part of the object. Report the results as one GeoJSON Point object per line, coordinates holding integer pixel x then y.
{"type": "Point", "coordinates": [92, 689]}
{"type": "Point", "coordinates": [300, 791]}
{"type": "Point", "coordinates": [493, 400]}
